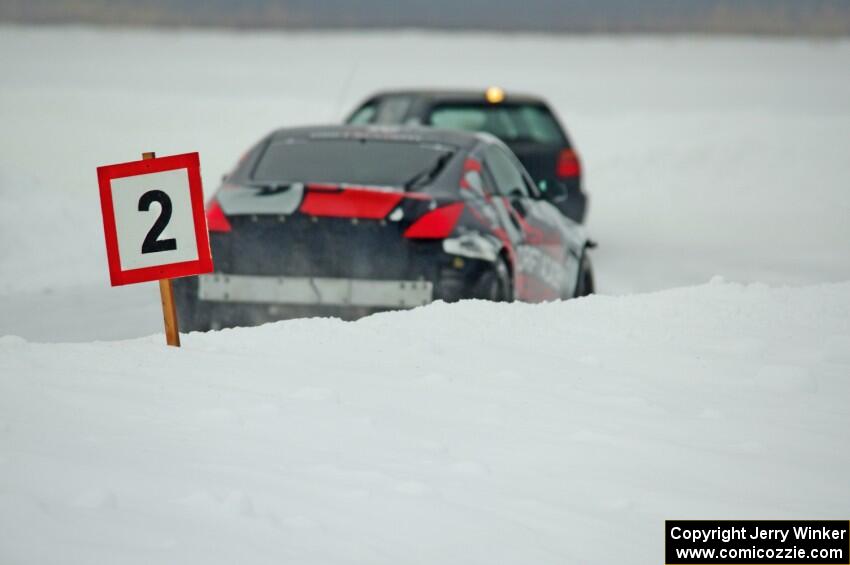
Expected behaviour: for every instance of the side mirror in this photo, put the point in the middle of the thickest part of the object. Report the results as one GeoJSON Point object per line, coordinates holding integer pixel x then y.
{"type": "Point", "coordinates": [517, 198]}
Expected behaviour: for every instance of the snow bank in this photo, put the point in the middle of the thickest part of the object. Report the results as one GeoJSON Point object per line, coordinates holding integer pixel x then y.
{"type": "Point", "coordinates": [466, 433]}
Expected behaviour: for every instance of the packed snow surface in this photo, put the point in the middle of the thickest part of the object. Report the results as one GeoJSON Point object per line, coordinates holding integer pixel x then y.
{"type": "Point", "coordinates": [702, 156]}
{"type": "Point", "coordinates": [473, 433]}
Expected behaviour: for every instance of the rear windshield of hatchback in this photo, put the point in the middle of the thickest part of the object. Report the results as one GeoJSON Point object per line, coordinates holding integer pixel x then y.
{"type": "Point", "coordinates": [509, 122]}
{"type": "Point", "coordinates": [398, 164]}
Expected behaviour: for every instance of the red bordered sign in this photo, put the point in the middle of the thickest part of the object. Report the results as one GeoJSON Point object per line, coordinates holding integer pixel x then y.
{"type": "Point", "coordinates": [153, 219]}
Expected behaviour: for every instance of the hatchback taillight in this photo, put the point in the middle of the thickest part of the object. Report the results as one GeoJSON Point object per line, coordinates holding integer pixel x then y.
{"type": "Point", "coordinates": [436, 224]}
{"type": "Point", "coordinates": [216, 220]}
{"type": "Point", "coordinates": [568, 164]}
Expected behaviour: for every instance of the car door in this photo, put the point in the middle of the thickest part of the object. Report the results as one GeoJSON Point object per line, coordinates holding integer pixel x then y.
{"type": "Point", "coordinates": [546, 258]}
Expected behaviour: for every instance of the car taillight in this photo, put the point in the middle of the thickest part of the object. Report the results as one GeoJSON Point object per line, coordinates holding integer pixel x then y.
{"type": "Point", "coordinates": [568, 164]}
{"type": "Point", "coordinates": [216, 220]}
{"type": "Point", "coordinates": [436, 224]}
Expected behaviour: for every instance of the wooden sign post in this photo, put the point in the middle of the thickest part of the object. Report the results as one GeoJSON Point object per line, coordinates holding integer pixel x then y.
{"type": "Point", "coordinates": [155, 243]}
{"type": "Point", "coordinates": [166, 294]}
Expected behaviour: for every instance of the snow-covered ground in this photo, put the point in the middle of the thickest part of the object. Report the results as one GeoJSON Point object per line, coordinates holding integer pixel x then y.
{"type": "Point", "coordinates": [474, 433]}
{"type": "Point", "coordinates": [466, 433]}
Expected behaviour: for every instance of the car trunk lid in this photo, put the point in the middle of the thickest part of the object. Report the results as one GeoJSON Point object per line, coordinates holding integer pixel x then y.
{"type": "Point", "coordinates": [320, 230]}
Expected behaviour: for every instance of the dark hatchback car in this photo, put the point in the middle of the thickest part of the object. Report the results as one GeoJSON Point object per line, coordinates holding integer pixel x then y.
{"type": "Point", "coordinates": [347, 221]}
{"type": "Point", "coordinates": [525, 123]}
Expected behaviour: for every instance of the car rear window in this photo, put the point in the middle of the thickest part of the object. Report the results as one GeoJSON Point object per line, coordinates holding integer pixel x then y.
{"type": "Point", "coordinates": [386, 110]}
{"type": "Point", "coordinates": [509, 122]}
{"type": "Point", "coordinates": [364, 115]}
{"type": "Point", "coordinates": [351, 161]}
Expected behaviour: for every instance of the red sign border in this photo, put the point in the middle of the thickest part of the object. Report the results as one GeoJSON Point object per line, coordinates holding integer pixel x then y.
{"type": "Point", "coordinates": [203, 264]}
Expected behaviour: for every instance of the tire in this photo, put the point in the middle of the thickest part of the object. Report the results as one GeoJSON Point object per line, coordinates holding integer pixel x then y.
{"type": "Point", "coordinates": [585, 283]}
{"type": "Point", "coordinates": [496, 284]}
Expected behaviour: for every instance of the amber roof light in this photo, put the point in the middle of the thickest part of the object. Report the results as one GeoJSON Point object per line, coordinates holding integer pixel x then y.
{"type": "Point", "coordinates": [494, 95]}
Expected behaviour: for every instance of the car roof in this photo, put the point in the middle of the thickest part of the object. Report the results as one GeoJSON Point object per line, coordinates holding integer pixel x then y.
{"type": "Point", "coordinates": [459, 95]}
{"type": "Point", "coordinates": [409, 134]}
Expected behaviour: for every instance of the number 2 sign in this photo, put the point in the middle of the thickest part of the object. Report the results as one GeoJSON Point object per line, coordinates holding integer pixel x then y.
{"type": "Point", "coordinates": [153, 219]}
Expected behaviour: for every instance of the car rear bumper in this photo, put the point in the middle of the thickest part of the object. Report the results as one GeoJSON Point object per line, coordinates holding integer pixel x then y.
{"type": "Point", "coordinates": [272, 268]}
{"type": "Point", "coordinates": [315, 291]}
{"type": "Point", "coordinates": [574, 202]}
{"type": "Point", "coordinates": [575, 207]}
{"type": "Point", "coordinates": [222, 300]}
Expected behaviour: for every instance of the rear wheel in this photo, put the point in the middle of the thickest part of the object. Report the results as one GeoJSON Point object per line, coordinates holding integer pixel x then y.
{"type": "Point", "coordinates": [585, 284]}
{"type": "Point", "coordinates": [496, 284]}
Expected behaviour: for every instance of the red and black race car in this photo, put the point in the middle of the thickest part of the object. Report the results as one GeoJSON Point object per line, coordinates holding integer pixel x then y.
{"type": "Point", "coordinates": [349, 220]}
{"type": "Point", "coordinates": [524, 122]}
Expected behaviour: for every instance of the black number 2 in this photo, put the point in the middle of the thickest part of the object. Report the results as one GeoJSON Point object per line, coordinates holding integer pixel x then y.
{"type": "Point", "coordinates": [152, 243]}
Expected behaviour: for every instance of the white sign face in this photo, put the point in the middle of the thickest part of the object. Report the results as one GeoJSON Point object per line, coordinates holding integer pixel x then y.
{"type": "Point", "coordinates": [153, 219]}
